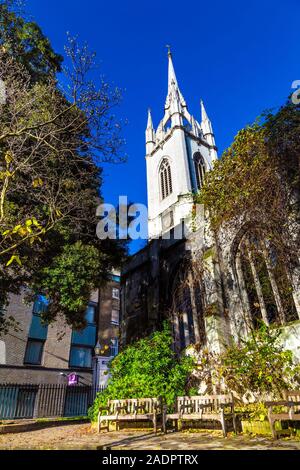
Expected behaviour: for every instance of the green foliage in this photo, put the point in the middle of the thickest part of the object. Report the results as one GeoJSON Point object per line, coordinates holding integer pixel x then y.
{"type": "Point", "coordinates": [259, 365]}
{"type": "Point", "coordinates": [246, 179]}
{"type": "Point", "coordinates": [282, 129]}
{"type": "Point", "coordinates": [242, 180]}
{"type": "Point", "coordinates": [68, 281]}
{"type": "Point", "coordinates": [53, 138]}
{"type": "Point", "coordinates": [25, 41]}
{"type": "Point", "coordinates": [146, 368]}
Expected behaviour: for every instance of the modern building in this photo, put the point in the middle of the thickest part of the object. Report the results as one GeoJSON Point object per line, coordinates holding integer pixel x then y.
{"type": "Point", "coordinates": [54, 354]}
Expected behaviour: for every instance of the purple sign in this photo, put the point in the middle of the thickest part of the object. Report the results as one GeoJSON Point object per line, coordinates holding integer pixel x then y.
{"type": "Point", "coordinates": [72, 379]}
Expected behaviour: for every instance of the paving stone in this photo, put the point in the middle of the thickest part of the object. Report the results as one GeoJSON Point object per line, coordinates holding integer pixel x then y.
{"type": "Point", "coordinates": [82, 437]}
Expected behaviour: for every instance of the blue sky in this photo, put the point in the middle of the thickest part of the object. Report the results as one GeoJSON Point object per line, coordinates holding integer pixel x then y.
{"type": "Point", "coordinates": [239, 57]}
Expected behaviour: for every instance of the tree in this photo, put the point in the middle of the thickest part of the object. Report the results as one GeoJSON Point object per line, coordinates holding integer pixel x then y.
{"type": "Point", "coordinates": [146, 368]}
{"type": "Point", "coordinates": [257, 178]}
{"type": "Point", "coordinates": [52, 141]}
{"type": "Point", "coordinates": [25, 41]}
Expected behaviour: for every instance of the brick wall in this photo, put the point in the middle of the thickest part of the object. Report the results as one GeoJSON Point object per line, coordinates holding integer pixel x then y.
{"type": "Point", "coordinates": [57, 345]}
{"type": "Point", "coordinates": [15, 342]}
{"type": "Point", "coordinates": [41, 375]}
{"type": "Point", "coordinates": [55, 360]}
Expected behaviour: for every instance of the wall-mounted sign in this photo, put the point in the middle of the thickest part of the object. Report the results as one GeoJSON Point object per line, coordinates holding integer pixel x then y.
{"type": "Point", "coordinates": [72, 379]}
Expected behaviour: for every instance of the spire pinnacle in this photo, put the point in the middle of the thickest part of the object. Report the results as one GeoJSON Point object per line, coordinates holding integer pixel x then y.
{"type": "Point", "coordinates": [150, 122]}
{"type": "Point", "coordinates": [150, 134]}
{"type": "Point", "coordinates": [172, 80]}
{"type": "Point", "coordinates": [207, 129]}
{"type": "Point", "coordinates": [203, 112]}
{"type": "Point", "coordinates": [173, 89]}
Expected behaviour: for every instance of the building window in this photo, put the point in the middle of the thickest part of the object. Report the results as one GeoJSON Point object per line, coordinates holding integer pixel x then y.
{"type": "Point", "coordinates": [116, 294]}
{"type": "Point", "coordinates": [38, 332]}
{"type": "Point", "coordinates": [115, 317]}
{"type": "Point", "coordinates": [81, 357]}
{"type": "Point", "coordinates": [90, 314]}
{"type": "Point", "coordinates": [34, 352]}
{"type": "Point", "coordinates": [199, 169]}
{"type": "Point", "coordinates": [40, 305]}
{"type": "Point", "coordinates": [114, 347]}
{"type": "Point", "coordinates": [165, 179]}
{"type": "Point", "coordinates": [83, 341]}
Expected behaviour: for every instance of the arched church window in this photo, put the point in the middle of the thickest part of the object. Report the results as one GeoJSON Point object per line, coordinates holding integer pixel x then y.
{"type": "Point", "coordinates": [165, 178]}
{"type": "Point", "coordinates": [186, 309]}
{"type": "Point", "coordinates": [266, 290]}
{"type": "Point", "coordinates": [199, 169]}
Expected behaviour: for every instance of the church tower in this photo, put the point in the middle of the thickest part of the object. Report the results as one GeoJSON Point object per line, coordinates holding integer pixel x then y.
{"type": "Point", "coordinates": [178, 154]}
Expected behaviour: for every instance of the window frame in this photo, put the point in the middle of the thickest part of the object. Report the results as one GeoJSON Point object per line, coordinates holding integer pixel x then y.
{"type": "Point", "coordinates": [165, 179]}
{"type": "Point", "coordinates": [114, 323]}
{"type": "Point", "coordinates": [41, 353]}
{"type": "Point", "coordinates": [79, 346]}
{"type": "Point", "coordinates": [200, 169]}
{"type": "Point", "coordinates": [114, 297]}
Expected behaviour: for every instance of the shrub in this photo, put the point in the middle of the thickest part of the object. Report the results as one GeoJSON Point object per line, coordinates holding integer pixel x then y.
{"type": "Point", "coordinates": [259, 365]}
{"type": "Point", "coordinates": [256, 368]}
{"type": "Point", "coordinates": [146, 368]}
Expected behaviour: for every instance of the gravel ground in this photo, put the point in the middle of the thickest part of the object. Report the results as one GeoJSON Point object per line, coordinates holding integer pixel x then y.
{"type": "Point", "coordinates": [82, 437]}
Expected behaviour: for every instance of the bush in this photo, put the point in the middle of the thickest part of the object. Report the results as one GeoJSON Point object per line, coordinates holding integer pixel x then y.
{"type": "Point", "coordinates": [146, 368]}
{"type": "Point", "coordinates": [259, 366]}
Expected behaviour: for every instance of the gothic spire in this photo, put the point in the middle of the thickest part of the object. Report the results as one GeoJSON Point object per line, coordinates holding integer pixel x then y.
{"type": "Point", "coordinates": [203, 112]}
{"type": "Point", "coordinates": [150, 133]}
{"type": "Point", "coordinates": [207, 129]}
{"type": "Point", "coordinates": [174, 94]}
{"type": "Point", "coordinates": [150, 122]}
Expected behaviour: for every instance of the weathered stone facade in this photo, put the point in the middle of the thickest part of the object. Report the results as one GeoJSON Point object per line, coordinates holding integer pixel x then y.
{"type": "Point", "coordinates": [217, 304]}
{"type": "Point", "coordinates": [199, 281]}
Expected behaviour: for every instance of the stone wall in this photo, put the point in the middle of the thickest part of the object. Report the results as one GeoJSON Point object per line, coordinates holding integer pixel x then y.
{"type": "Point", "coordinates": [148, 279]}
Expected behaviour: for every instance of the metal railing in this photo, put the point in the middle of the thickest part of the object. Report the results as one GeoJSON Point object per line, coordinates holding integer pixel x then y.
{"type": "Point", "coordinates": [28, 401]}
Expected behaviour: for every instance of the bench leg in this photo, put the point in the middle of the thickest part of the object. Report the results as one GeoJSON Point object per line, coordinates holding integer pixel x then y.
{"type": "Point", "coordinates": [99, 422]}
{"type": "Point", "coordinates": [223, 423]}
{"type": "Point", "coordinates": [154, 424]}
{"type": "Point", "coordinates": [164, 423]}
{"type": "Point", "coordinates": [234, 424]}
{"type": "Point", "coordinates": [273, 430]}
{"type": "Point", "coordinates": [272, 426]}
{"type": "Point", "coordinates": [272, 423]}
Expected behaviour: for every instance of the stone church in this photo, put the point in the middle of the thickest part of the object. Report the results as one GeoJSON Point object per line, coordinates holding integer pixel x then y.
{"type": "Point", "coordinates": [209, 286]}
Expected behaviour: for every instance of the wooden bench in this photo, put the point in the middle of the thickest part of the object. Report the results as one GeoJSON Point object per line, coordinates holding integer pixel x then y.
{"type": "Point", "coordinates": [204, 408]}
{"type": "Point", "coordinates": [136, 409]}
{"type": "Point", "coordinates": [291, 412]}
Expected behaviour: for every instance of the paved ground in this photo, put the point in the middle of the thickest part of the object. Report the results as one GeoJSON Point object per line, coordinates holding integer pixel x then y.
{"type": "Point", "coordinates": [78, 436]}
